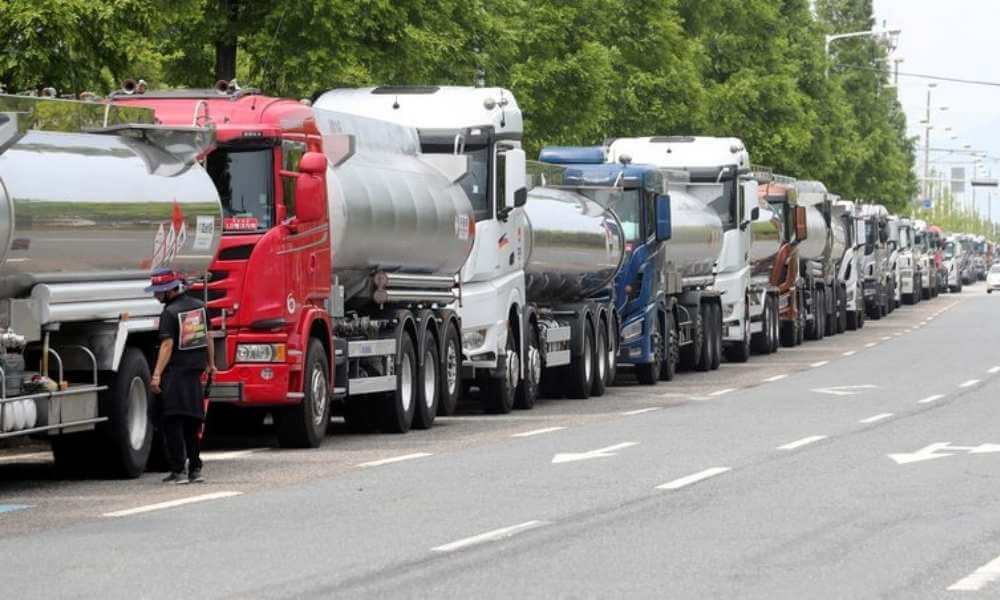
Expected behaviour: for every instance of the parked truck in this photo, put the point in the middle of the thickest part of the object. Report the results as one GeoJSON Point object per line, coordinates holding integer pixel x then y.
{"type": "Point", "coordinates": [724, 164]}
{"type": "Point", "coordinates": [924, 253]}
{"type": "Point", "coordinates": [95, 198]}
{"type": "Point", "coordinates": [671, 243]}
{"type": "Point", "coordinates": [935, 242]}
{"type": "Point", "coordinates": [780, 194]}
{"type": "Point", "coordinates": [909, 271]}
{"type": "Point", "coordinates": [878, 284]}
{"type": "Point", "coordinates": [851, 266]}
{"type": "Point", "coordinates": [955, 261]}
{"type": "Point", "coordinates": [821, 254]}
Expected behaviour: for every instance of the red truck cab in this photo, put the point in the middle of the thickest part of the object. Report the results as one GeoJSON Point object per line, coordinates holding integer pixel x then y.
{"type": "Point", "coordinates": [269, 284]}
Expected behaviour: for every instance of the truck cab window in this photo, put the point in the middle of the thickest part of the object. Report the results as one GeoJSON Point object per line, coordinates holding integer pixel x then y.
{"type": "Point", "coordinates": [476, 182]}
{"type": "Point", "coordinates": [291, 154]}
{"type": "Point", "coordinates": [244, 178]}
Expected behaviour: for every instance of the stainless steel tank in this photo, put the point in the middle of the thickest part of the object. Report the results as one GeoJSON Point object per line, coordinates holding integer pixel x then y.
{"type": "Point", "coordinates": [696, 238]}
{"type": "Point", "coordinates": [87, 208]}
{"type": "Point", "coordinates": [391, 208]}
{"type": "Point", "coordinates": [574, 249]}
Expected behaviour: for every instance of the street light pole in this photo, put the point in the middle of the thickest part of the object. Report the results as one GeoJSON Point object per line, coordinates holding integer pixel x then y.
{"type": "Point", "coordinates": [927, 138]}
{"type": "Point", "coordinates": [854, 34]}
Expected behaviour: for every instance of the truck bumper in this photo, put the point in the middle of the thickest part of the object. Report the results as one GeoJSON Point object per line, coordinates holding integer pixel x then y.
{"type": "Point", "coordinates": [248, 385]}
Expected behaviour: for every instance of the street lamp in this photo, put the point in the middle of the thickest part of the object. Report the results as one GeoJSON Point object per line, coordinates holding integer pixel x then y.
{"type": "Point", "coordinates": [888, 36]}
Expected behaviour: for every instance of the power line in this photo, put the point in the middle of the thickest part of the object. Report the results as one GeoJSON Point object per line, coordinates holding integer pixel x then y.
{"type": "Point", "coordinates": [923, 76]}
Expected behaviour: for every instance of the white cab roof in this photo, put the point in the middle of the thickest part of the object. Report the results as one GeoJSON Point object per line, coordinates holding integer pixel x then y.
{"type": "Point", "coordinates": [681, 151]}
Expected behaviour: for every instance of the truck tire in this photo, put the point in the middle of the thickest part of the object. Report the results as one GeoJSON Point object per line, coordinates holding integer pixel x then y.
{"type": "Point", "coordinates": [451, 372]}
{"type": "Point", "coordinates": [527, 391]}
{"type": "Point", "coordinates": [740, 351]}
{"type": "Point", "coordinates": [708, 337]}
{"type": "Point", "coordinates": [761, 342]}
{"type": "Point", "coordinates": [304, 425]}
{"type": "Point", "coordinates": [429, 388]}
{"type": "Point", "coordinates": [649, 373]}
{"type": "Point", "coordinates": [788, 333]}
{"type": "Point", "coordinates": [600, 361]}
{"type": "Point", "coordinates": [814, 329]}
{"type": "Point", "coordinates": [498, 393]}
{"type": "Point", "coordinates": [581, 371]}
{"type": "Point", "coordinates": [842, 309]}
{"type": "Point", "coordinates": [692, 351]}
{"type": "Point", "coordinates": [668, 367]}
{"type": "Point", "coordinates": [396, 408]}
{"type": "Point", "coordinates": [612, 352]}
{"type": "Point", "coordinates": [830, 318]}
{"type": "Point", "coordinates": [852, 320]}
{"type": "Point", "coordinates": [717, 348]}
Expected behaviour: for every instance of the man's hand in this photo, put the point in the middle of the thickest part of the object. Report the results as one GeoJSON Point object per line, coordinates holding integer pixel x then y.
{"type": "Point", "coordinates": [154, 384]}
{"type": "Point", "coordinates": [211, 371]}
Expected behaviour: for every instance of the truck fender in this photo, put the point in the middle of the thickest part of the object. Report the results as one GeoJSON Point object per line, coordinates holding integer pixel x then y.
{"type": "Point", "coordinates": [315, 323]}
{"type": "Point", "coordinates": [405, 321]}
{"type": "Point", "coordinates": [578, 325]}
{"type": "Point", "coordinates": [427, 328]}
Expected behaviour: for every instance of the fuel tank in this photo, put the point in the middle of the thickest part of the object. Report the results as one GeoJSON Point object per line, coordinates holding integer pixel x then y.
{"type": "Point", "coordinates": [392, 209]}
{"type": "Point", "coordinates": [82, 208]}
{"type": "Point", "coordinates": [574, 249]}
{"type": "Point", "coordinates": [696, 239]}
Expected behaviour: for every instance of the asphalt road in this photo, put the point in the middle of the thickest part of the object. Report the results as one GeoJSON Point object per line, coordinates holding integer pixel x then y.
{"type": "Point", "coordinates": [860, 466]}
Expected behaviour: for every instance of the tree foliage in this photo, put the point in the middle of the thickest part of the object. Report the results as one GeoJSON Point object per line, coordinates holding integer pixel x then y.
{"type": "Point", "coordinates": [583, 71]}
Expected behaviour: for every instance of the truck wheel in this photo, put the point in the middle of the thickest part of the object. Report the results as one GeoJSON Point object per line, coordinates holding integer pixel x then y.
{"type": "Point", "coordinates": [761, 342]}
{"type": "Point", "coordinates": [612, 352]}
{"type": "Point", "coordinates": [740, 351]}
{"type": "Point", "coordinates": [451, 372]}
{"type": "Point", "coordinates": [527, 392]}
{"type": "Point", "coordinates": [691, 352]}
{"type": "Point", "coordinates": [852, 320]}
{"type": "Point", "coordinates": [399, 405]}
{"type": "Point", "coordinates": [788, 336]}
{"type": "Point", "coordinates": [649, 373]}
{"type": "Point", "coordinates": [498, 393]}
{"type": "Point", "coordinates": [717, 346]}
{"type": "Point", "coordinates": [428, 390]}
{"type": "Point", "coordinates": [304, 425]}
{"type": "Point", "coordinates": [708, 338]}
{"type": "Point", "coordinates": [830, 318]}
{"type": "Point", "coordinates": [600, 361]}
{"type": "Point", "coordinates": [581, 370]}
{"type": "Point", "coordinates": [668, 367]}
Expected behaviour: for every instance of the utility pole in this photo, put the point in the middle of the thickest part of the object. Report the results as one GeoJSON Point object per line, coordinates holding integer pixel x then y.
{"type": "Point", "coordinates": [927, 140]}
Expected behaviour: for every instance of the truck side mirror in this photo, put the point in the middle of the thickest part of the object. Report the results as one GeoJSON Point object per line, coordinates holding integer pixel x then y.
{"type": "Point", "coordinates": [664, 229]}
{"type": "Point", "coordinates": [801, 227]}
{"type": "Point", "coordinates": [514, 186]}
{"type": "Point", "coordinates": [748, 199]}
{"type": "Point", "coordinates": [310, 188]}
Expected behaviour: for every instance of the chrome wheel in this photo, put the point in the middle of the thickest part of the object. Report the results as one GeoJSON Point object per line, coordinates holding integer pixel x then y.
{"type": "Point", "coordinates": [430, 379]}
{"type": "Point", "coordinates": [513, 370]}
{"type": "Point", "coordinates": [602, 365]}
{"type": "Point", "coordinates": [588, 366]}
{"type": "Point", "coordinates": [534, 370]}
{"type": "Point", "coordinates": [318, 391]}
{"type": "Point", "coordinates": [406, 383]}
{"type": "Point", "coordinates": [451, 368]}
{"type": "Point", "coordinates": [138, 413]}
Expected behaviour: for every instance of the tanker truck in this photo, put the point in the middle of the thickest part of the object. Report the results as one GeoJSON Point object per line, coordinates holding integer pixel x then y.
{"type": "Point", "coordinates": [820, 255]}
{"type": "Point", "coordinates": [95, 198]}
{"type": "Point", "coordinates": [924, 254]}
{"type": "Point", "coordinates": [851, 266]}
{"type": "Point", "coordinates": [909, 274]}
{"type": "Point", "coordinates": [660, 292]}
{"type": "Point", "coordinates": [935, 241]}
{"type": "Point", "coordinates": [780, 194]}
{"type": "Point", "coordinates": [484, 126]}
{"type": "Point", "coordinates": [878, 288]}
{"type": "Point", "coordinates": [723, 164]}
{"type": "Point", "coordinates": [953, 259]}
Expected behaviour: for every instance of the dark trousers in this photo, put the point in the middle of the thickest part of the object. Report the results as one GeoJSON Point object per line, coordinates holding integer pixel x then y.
{"type": "Point", "coordinates": [181, 435]}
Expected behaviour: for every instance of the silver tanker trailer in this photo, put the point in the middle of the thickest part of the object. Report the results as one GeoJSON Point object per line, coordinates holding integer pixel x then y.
{"type": "Point", "coordinates": [878, 285]}
{"type": "Point", "coordinates": [401, 228]}
{"type": "Point", "coordinates": [820, 256]}
{"type": "Point", "coordinates": [575, 246]}
{"type": "Point", "coordinates": [87, 216]}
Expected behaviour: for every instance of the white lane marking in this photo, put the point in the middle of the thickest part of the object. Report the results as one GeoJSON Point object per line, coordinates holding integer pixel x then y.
{"type": "Point", "coordinates": [885, 338]}
{"type": "Point", "coordinates": [876, 418]}
{"type": "Point", "coordinates": [537, 431]}
{"type": "Point", "coordinates": [850, 353]}
{"type": "Point", "coordinates": [776, 377]}
{"type": "Point", "coordinates": [845, 390]}
{"type": "Point", "coordinates": [565, 457]}
{"type": "Point", "coordinates": [26, 456]}
{"type": "Point", "coordinates": [693, 478]}
{"type": "Point", "coordinates": [871, 344]}
{"type": "Point", "coordinates": [230, 455]}
{"type": "Point", "coordinates": [803, 442]}
{"type": "Point", "coordinates": [930, 399]}
{"type": "Point", "coordinates": [910, 330]}
{"type": "Point", "coordinates": [968, 383]}
{"type": "Point", "coordinates": [721, 392]}
{"type": "Point", "coordinates": [819, 364]}
{"type": "Point", "coordinates": [993, 370]}
{"type": "Point", "coordinates": [394, 459]}
{"type": "Point", "coordinates": [639, 411]}
{"type": "Point", "coordinates": [489, 536]}
{"type": "Point", "coordinates": [171, 504]}
{"type": "Point", "coordinates": [979, 578]}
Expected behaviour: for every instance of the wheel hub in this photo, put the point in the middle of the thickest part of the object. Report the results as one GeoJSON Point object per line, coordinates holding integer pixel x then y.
{"type": "Point", "coordinates": [406, 383]}
{"type": "Point", "coordinates": [513, 370]}
{"type": "Point", "coordinates": [430, 380]}
{"type": "Point", "coordinates": [137, 416]}
{"type": "Point", "coordinates": [451, 367]}
{"type": "Point", "coordinates": [318, 391]}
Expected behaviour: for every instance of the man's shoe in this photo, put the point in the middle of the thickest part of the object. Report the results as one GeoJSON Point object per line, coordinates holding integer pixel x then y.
{"type": "Point", "coordinates": [175, 478]}
{"type": "Point", "coordinates": [195, 477]}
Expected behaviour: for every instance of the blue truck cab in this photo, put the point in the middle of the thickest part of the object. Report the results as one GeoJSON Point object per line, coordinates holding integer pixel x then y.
{"type": "Point", "coordinates": [638, 196]}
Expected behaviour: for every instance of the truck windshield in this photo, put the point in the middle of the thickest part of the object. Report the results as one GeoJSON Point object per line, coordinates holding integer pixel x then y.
{"type": "Point", "coordinates": [871, 235]}
{"type": "Point", "coordinates": [244, 178]}
{"type": "Point", "coordinates": [626, 206]}
{"type": "Point", "coordinates": [780, 210]}
{"type": "Point", "coordinates": [476, 182]}
{"type": "Point", "coordinates": [949, 249]}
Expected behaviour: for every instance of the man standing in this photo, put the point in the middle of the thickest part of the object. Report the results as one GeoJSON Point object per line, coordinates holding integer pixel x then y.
{"type": "Point", "coordinates": [185, 354]}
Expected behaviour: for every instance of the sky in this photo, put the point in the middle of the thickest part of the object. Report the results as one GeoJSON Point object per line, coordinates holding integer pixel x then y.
{"type": "Point", "coordinates": [953, 38]}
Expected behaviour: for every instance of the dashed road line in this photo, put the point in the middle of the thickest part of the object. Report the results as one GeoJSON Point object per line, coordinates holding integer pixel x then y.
{"type": "Point", "coordinates": [230, 455]}
{"type": "Point", "coordinates": [6, 508]}
{"type": "Point", "coordinates": [993, 370]}
{"type": "Point", "coordinates": [489, 536]}
{"type": "Point", "coordinates": [171, 504]}
{"type": "Point", "coordinates": [537, 432]}
{"type": "Point", "coordinates": [721, 392]}
{"type": "Point", "coordinates": [677, 484]}
{"type": "Point", "coordinates": [886, 338]}
{"type": "Point", "coordinates": [850, 353]}
{"type": "Point", "coordinates": [871, 344]}
{"type": "Point", "coordinates": [639, 411]}
{"type": "Point", "coordinates": [803, 442]}
{"type": "Point", "coordinates": [930, 399]}
{"type": "Point", "coordinates": [968, 383]}
{"type": "Point", "coordinates": [394, 459]}
{"type": "Point", "coordinates": [979, 578]}
{"type": "Point", "coordinates": [776, 377]}
{"type": "Point", "coordinates": [819, 364]}
{"type": "Point", "coordinates": [876, 418]}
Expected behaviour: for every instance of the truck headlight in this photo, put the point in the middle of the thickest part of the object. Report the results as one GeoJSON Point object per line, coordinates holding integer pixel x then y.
{"type": "Point", "coordinates": [632, 330]}
{"type": "Point", "coordinates": [474, 339]}
{"type": "Point", "coordinates": [260, 353]}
